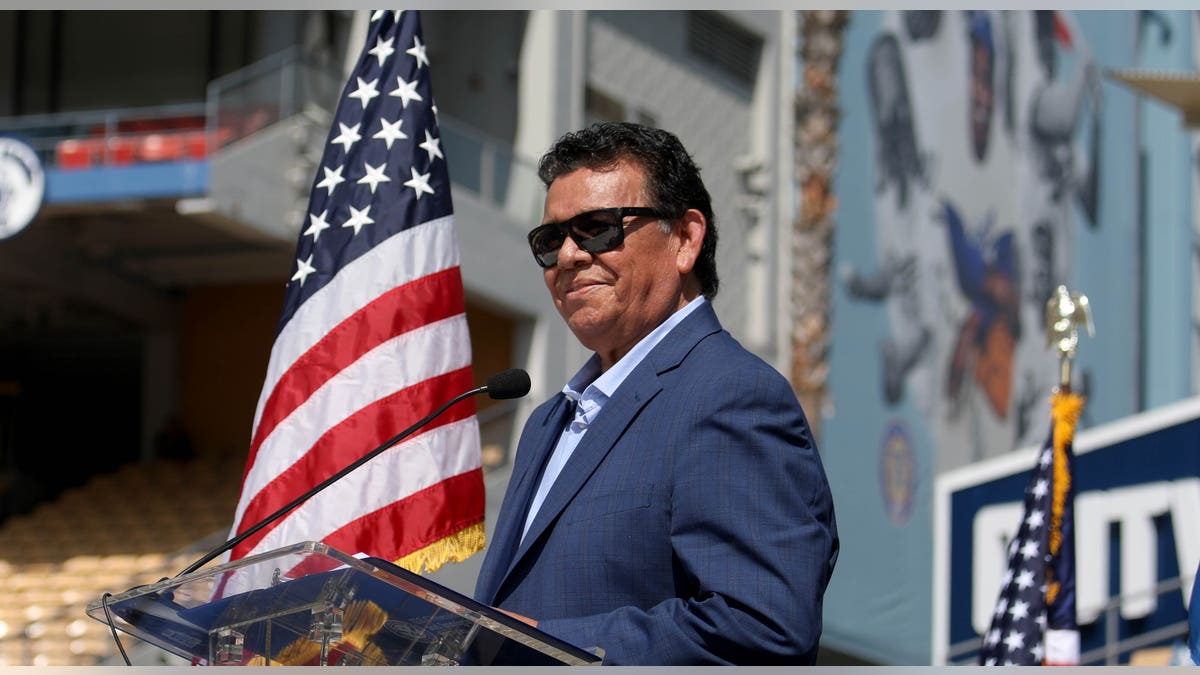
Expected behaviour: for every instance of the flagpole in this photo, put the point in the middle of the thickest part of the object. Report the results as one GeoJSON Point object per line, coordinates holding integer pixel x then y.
{"type": "Point", "coordinates": [1034, 621]}
{"type": "Point", "coordinates": [1065, 312]}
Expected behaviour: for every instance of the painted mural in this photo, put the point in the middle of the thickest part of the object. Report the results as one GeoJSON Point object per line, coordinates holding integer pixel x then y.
{"type": "Point", "coordinates": [985, 157]}
{"type": "Point", "coordinates": [986, 127]}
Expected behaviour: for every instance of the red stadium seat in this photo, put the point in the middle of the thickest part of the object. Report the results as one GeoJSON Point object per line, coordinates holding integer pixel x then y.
{"type": "Point", "coordinates": [74, 154]}
{"type": "Point", "coordinates": [160, 148]}
{"type": "Point", "coordinates": [195, 145]}
{"type": "Point", "coordinates": [199, 144]}
{"type": "Point", "coordinates": [120, 150]}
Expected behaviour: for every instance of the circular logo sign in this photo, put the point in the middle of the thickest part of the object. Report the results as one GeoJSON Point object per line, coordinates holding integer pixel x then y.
{"type": "Point", "coordinates": [22, 186]}
{"type": "Point", "coordinates": [897, 473]}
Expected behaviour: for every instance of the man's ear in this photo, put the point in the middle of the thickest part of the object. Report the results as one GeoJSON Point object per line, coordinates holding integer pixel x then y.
{"type": "Point", "coordinates": [690, 231]}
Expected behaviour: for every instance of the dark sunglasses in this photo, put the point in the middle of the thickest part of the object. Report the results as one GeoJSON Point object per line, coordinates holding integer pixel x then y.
{"type": "Point", "coordinates": [593, 231]}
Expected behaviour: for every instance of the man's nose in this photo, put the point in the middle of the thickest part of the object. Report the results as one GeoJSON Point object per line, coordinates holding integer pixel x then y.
{"type": "Point", "coordinates": [571, 255]}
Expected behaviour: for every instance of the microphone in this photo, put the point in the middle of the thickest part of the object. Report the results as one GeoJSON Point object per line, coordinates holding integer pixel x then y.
{"type": "Point", "coordinates": [513, 383]}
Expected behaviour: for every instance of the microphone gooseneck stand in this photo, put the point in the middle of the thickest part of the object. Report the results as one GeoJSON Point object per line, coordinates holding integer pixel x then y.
{"type": "Point", "coordinates": [507, 384]}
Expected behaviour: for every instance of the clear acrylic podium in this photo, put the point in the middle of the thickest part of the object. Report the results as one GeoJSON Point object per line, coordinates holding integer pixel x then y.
{"type": "Point", "coordinates": [309, 604]}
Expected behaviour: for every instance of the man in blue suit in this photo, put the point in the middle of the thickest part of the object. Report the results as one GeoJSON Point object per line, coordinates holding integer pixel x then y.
{"type": "Point", "coordinates": [669, 506]}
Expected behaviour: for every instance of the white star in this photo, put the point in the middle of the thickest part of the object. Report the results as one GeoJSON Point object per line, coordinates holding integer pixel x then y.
{"type": "Point", "coordinates": [1037, 652]}
{"type": "Point", "coordinates": [1014, 641]}
{"type": "Point", "coordinates": [992, 638]}
{"type": "Point", "coordinates": [990, 662]}
{"type": "Point", "coordinates": [1035, 519]}
{"type": "Point", "coordinates": [331, 179]}
{"type": "Point", "coordinates": [418, 52]}
{"type": "Point", "coordinates": [419, 183]}
{"type": "Point", "coordinates": [406, 91]}
{"type": "Point", "coordinates": [1046, 458]}
{"type": "Point", "coordinates": [1007, 577]}
{"type": "Point", "coordinates": [378, 14]}
{"type": "Point", "coordinates": [374, 176]}
{"type": "Point", "coordinates": [317, 224]}
{"type": "Point", "coordinates": [1041, 620]}
{"type": "Point", "coordinates": [1001, 606]}
{"type": "Point", "coordinates": [358, 218]}
{"type": "Point", "coordinates": [1025, 579]}
{"type": "Point", "coordinates": [432, 146]}
{"type": "Point", "coordinates": [1029, 550]}
{"type": "Point", "coordinates": [390, 131]}
{"type": "Point", "coordinates": [303, 269]}
{"type": "Point", "coordinates": [1019, 610]}
{"type": "Point", "coordinates": [382, 49]}
{"type": "Point", "coordinates": [348, 137]}
{"type": "Point", "coordinates": [1040, 488]}
{"type": "Point", "coordinates": [365, 92]}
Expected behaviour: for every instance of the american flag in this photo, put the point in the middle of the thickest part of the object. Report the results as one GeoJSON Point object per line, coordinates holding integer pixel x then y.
{"type": "Point", "coordinates": [1034, 620]}
{"type": "Point", "coordinates": [373, 336]}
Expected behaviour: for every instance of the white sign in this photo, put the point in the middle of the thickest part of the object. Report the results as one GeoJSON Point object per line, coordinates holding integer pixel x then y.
{"type": "Point", "coordinates": [22, 186]}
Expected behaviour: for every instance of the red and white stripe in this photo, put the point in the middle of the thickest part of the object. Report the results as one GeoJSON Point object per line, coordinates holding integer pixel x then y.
{"type": "Point", "coordinates": [380, 346]}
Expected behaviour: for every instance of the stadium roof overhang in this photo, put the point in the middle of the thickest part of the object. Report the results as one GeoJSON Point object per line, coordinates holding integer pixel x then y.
{"type": "Point", "coordinates": [109, 261]}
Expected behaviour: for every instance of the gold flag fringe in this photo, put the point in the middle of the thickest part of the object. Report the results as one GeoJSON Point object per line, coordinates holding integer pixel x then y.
{"type": "Point", "coordinates": [455, 548]}
{"type": "Point", "coordinates": [1065, 409]}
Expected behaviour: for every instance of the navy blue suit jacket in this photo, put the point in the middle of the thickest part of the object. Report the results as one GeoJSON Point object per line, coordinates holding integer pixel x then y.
{"type": "Point", "coordinates": [692, 525]}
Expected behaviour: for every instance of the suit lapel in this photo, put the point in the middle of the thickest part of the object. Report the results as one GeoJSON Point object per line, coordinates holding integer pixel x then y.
{"type": "Point", "coordinates": [531, 455]}
{"type": "Point", "coordinates": [630, 398]}
{"type": "Point", "coordinates": [618, 413]}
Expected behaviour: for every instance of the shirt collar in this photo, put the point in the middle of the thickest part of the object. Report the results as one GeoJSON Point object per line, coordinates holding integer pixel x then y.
{"type": "Point", "coordinates": [590, 385]}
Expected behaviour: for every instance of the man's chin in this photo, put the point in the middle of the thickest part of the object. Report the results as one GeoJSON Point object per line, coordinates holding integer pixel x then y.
{"type": "Point", "coordinates": [588, 329]}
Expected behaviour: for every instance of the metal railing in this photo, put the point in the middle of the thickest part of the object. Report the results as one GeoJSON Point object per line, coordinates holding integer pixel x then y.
{"type": "Point", "coordinates": [267, 91]}
{"type": "Point", "coordinates": [241, 103]}
{"type": "Point", "coordinates": [489, 168]}
{"type": "Point", "coordinates": [102, 136]}
{"type": "Point", "coordinates": [1114, 647]}
{"type": "Point", "coordinates": [235, 106]}
{"type": "Point", "coordinates": [290, 83]}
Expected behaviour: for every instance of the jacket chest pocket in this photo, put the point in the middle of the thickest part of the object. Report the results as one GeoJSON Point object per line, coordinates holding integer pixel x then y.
{"type": "Point", "coordinates": [620, 503]}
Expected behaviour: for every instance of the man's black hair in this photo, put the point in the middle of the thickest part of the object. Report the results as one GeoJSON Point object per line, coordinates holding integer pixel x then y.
{"type": "Point", "coordinates": [672, 178]}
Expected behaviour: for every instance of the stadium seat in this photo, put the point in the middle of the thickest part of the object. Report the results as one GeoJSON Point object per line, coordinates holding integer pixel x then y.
{"type": "Point", "coordinates": [74, 154]}
{"type": "Point", "coordinates": [67, 552]}
{"type": "Point", "coordinates": [166, 147]}
{"type": "Point", "coordinates": [119, 151]}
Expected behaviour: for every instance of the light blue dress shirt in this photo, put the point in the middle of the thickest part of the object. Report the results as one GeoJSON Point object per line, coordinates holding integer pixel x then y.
{"type": "Point", "coordinates": [589, 390]}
